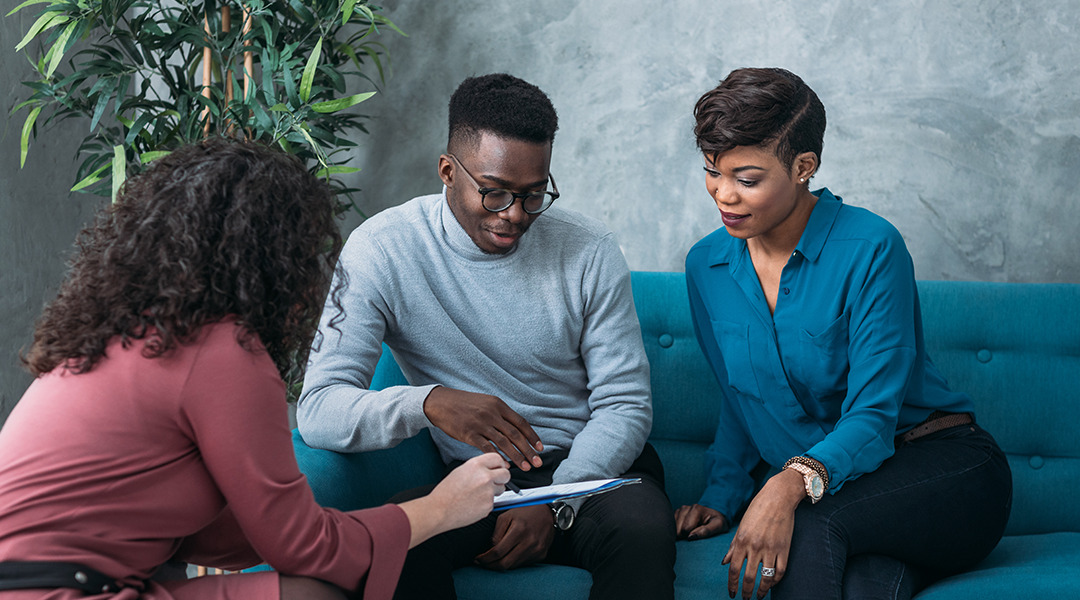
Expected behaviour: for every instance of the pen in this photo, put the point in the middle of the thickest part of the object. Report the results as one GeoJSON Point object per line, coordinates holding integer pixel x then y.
{"type": "Point", "coordinates": [510, 485]}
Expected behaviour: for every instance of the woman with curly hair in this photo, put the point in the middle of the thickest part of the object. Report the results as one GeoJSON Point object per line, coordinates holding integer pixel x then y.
{"type": "Point", "coordinates": [156, 429]}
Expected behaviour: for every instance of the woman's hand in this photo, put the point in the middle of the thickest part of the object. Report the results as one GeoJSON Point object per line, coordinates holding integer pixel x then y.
{"type": "Point", "coordinates": [696, 522]}
{"type": "Point", "coordinates": [764, 535]}
{"type": "Point", "coordinates": [465, 496]}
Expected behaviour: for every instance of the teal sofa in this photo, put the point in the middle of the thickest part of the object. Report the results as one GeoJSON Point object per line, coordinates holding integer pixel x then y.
{"type": "Point", "coordinates": [1015, 348]}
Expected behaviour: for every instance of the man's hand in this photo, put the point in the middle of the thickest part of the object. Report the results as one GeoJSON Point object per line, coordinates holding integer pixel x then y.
{"type": "Point", "coordinates": [696, 522]}
{"type": "Point", "coordinates": [522, 536]}
{"type": "Point", "coordinates": [484, 422]}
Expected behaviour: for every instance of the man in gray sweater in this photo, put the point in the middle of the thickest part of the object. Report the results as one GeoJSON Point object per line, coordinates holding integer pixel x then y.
{"type": "Point", "coordinates": [517, 333]}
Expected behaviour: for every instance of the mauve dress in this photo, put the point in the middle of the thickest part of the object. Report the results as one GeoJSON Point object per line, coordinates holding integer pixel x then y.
{"type": "Point", "coordinates": [187, 456]}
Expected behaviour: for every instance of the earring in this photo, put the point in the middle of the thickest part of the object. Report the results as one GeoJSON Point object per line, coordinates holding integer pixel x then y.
{"type": "Point", "coordinates": [801, 180]}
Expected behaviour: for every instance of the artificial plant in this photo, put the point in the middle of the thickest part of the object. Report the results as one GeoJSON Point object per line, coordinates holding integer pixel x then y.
{"type": "Point", "coordinates": [150, 75]}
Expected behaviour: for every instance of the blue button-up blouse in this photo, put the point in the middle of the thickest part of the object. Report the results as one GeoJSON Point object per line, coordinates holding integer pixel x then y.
{"type": "Point", "coordinates": [838, 369]}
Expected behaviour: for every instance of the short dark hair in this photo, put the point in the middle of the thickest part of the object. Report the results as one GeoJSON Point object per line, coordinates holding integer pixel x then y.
{"type": "Point", "coordinates": [217, 228]}
{"type": "Point", "coordinates": [759, 107]}
{"type": "Point", "coordinates": [501, 104]}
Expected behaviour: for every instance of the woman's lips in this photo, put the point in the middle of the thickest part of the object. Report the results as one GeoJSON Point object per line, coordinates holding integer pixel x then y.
{"type": "Point", "coordinates": [732, 219]}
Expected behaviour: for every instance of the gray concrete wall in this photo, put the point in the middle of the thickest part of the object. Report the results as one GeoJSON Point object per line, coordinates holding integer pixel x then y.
{"type": "Point", "coordinates": [959, 120]}
{"type": "Point", "coordinates": [38, 219]}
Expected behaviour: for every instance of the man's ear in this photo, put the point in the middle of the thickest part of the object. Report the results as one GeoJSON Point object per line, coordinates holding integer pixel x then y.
{"type": "Point", "coordinates": [805, 165]}
{"type": "Point", "coordinates": [446, 170]}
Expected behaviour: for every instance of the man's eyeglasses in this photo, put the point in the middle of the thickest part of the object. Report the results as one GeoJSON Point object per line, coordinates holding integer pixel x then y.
{"type": "Point", "coordinates": [497, 199]}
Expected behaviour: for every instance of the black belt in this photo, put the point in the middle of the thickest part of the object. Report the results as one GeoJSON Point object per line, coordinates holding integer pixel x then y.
{"type": "Point", "coordinates": [937, 421]}
{"type": "Point", "coordinates": [26, 575]}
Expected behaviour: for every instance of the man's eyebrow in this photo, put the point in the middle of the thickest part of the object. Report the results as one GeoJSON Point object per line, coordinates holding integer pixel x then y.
{"type": "Point", "coordinates": [502, 183]}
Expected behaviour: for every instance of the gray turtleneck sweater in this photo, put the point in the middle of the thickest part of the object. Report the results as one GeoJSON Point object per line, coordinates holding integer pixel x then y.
{"type": "Point", "coordinates": [550, 328]}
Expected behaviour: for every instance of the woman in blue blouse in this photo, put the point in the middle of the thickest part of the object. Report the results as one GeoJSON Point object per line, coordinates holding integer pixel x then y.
{"type": "Point", "coordinates": [807, 310]}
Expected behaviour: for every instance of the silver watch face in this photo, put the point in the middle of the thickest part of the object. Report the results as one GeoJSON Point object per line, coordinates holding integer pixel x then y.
{"type": "Point", "coordinates": [817, 488]}
{"type": "Point", "coordinates": [564, 516]}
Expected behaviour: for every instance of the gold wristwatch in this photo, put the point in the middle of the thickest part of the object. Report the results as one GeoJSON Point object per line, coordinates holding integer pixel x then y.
{"type": "Point", "coordinates": [815, 487]}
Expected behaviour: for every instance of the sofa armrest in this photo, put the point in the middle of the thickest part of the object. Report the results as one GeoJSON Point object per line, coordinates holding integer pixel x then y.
{"type": "Point", "coordinates": [366, 479]}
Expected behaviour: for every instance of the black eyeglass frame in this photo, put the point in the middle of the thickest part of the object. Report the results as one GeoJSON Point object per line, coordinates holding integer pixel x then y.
{"type": "Point", "coordinates": [552, 195]}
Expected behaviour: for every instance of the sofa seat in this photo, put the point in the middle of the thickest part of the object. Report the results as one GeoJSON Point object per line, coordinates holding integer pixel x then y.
{"type": "Point", "coordinates": [1044, 565]}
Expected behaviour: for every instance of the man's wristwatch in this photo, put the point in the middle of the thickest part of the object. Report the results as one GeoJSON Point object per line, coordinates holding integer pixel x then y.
{"type": "Point", "coordinates": [564, 515]}
{"type": "Point", "coordinates": [815, 487]}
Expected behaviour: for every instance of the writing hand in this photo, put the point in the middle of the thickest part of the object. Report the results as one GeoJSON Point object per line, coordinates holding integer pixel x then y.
{"type": "Point", "coordinates": [484, 422]}
{"type": "Point", "coordinates": [697, 522]}
{"type": "Point", "coordinates": [463, 497]}
{"type": "Point", "coordinates": [522, 536]}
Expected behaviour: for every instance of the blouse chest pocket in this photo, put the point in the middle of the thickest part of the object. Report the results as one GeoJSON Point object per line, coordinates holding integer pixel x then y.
{"type": "Point", "coordinates": [823, 359]}
{"type": "Point", "coordinates": [734, 342]}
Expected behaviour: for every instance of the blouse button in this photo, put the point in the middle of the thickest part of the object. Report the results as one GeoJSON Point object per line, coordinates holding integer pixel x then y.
{"type": "Point", "coordinates": [666, 340]}
{"type": "Point", "coordinates": [787, 291]}
{"type": "Point", "coordinates": [1036, 462]}
{"type": "Point", "coordinates": [983, 356]}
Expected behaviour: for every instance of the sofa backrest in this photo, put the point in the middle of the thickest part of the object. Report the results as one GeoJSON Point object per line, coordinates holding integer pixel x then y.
{"type": "Point", "coordinates": [1015, 348]}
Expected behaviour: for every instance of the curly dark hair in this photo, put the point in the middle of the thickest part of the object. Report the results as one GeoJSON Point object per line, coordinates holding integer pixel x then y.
{"type": "Point", "coordinates": [759, 107]}
{"type": "Point", "coordinates": [222, 227]}
{"type": "Point", "coordinates": [501, 104]}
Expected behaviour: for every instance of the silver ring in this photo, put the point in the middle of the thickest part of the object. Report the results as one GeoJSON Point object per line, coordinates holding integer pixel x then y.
{"type": "Point", "coordinates": [768, 571]}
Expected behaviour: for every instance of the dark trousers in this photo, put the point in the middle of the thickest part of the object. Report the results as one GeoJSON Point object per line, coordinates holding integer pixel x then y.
{"type": "Point", "coordinates": [936, 507]}
{"type": "Point", "coordinates": [625, 538]}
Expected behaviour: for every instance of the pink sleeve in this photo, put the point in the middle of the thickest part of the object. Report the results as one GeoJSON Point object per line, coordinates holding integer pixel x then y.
{"type": "Point", "coordinates": [233, 403]}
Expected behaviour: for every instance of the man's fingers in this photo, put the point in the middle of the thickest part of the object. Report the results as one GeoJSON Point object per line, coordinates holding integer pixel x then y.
{"type": "Point", "coordinates": [522, 445]}
{"type": "Point", "coordinates": [498, 442]}
{"type": "Point", "coordinates": [532, 440]}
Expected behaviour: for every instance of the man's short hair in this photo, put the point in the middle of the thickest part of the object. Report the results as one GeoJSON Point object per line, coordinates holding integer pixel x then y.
{"type": "Point", "coordinates": [501, 104]}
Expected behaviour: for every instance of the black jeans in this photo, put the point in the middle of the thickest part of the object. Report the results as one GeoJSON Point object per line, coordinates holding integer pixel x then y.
{"type": "Point", "coordinates": [625, 538]}
{"type": "Point", "coordinates": [938, 506]}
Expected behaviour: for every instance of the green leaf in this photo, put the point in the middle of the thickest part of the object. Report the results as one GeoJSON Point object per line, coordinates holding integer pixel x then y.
{"type": "Point", "coordinates": [24, 5]}
{"type": "Point", "coordinates": [24, 141]}
{"type": "Point", "coordinates": [119, 170]}
{"type": "Point", "coordinates": [47, 20]}
{"type": "Point", "coordinates": [347, 11]}
{"type": "Point", "coordinates": [102, 101]}
{"type": "Point", "coordinates": [309, 72]}
{"type": "Point", "coordinates": [92, 178]}
{"type": "Point", "coordinates": [58, 49]}
{"type": "Point", "coordinates": [22, 104]}
{"type": "Point", "coordinates": [136, 128]}
{"type": "Point", "coordinates": [290, 85]}
{"type": "Point", "coordinates": [147, 157]}
{"type": "Point", "coordinates": [390, 24]}
{"type": "Point", "coordinates": [335, 170]}
{"type": "Point", "coordinates": [331, 106]}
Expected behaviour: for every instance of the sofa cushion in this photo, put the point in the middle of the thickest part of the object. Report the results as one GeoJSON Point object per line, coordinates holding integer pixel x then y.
{"type": "Point", "coordinates": [1022, 566]}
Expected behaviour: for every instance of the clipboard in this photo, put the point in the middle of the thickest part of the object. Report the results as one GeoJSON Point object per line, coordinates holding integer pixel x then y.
{"type": "Point", "coordinates": [559, 492]}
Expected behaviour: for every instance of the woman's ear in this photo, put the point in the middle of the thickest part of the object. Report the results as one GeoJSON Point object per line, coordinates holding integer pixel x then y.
{"type": "Point", "coordinates": [805, 165]}
{"type": "Point", "coordinates": [446, 170]}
